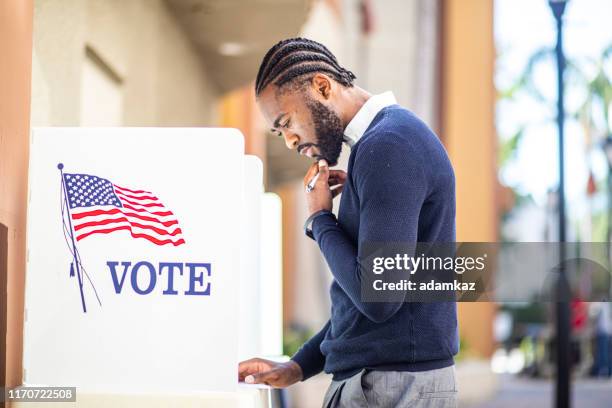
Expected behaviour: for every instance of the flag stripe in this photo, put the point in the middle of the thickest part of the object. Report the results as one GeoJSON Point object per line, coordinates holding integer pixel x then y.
{"type": "Point", "coordinates": [167, 223]}
{"type": "Point", "coordinates": [159, 213]}
{"type": "Point", "coordinates": [148, 205]}
{"type": "Point", "coordinates": [145, 197]}
{"type": "Point", "coordinates": [136, 227]}
{"type": "Point", "coordinates": [135, 235]}
{"type": "Point", "coordinates": [78, 216]}
{"type": "Point", "coordinates": [107, 221]}
{"type": "Point", "coordinates": [150, 210]}
{"type": "Point", "coordinates": [132, 191]}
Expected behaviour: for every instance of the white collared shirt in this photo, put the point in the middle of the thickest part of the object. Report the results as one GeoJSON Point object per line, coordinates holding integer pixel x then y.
{"type": "Point", "coordinates": [364, 116]}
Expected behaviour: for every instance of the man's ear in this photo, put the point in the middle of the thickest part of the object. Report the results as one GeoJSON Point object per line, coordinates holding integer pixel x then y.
{"type": "Point", "coordinates": [322, 85]}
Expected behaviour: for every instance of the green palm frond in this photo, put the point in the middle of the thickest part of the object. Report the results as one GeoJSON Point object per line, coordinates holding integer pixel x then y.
{"type": "Point", "coordinates": [507, 149]}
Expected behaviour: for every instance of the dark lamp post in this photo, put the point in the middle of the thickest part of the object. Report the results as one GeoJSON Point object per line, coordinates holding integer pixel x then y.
{"type": "Point", "coordinates": [562, 315]}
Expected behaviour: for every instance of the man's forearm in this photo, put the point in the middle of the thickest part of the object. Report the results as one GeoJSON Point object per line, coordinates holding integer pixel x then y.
{"type": "Point", "coordinates": [392, 191]}
{"type": "Point", "coordinates": [342, 259]}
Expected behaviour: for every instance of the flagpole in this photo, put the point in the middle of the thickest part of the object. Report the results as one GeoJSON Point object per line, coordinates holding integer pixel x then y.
{"type": "Point", "coordinates": [60, 166]}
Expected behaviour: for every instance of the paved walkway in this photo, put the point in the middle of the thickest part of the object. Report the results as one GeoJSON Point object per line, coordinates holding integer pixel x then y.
{"type": "Point", "coordinates": [517, 392]}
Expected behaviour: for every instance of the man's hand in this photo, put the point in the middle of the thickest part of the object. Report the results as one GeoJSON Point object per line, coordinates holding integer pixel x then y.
{"type": "Point", "coordinates": [328, 185]}
{"type": "Point", "coordinates": [336, 181]}
{"type": "Point", "coordinates": [261, 371]}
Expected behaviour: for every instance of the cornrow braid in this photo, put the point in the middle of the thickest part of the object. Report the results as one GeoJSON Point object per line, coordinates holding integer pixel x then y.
{"type": "Point", "coordinates": [296, 57]}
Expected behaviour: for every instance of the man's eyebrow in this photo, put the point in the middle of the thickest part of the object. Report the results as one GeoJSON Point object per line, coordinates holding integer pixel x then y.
{"type": "Point", "coordinates": [277, 120]}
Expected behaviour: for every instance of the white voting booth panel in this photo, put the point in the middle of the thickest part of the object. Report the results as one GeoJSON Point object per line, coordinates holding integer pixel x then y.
{"type": "Point", "coordinates": [249, 310]}
{"type": "Point", "coordinates": [271, 272]}
{"type": "Point", "coordinates": [261, 307]}
{"type": "Point", "coordinates": [166, 320]}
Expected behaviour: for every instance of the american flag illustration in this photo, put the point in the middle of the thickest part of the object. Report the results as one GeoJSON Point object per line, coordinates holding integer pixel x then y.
{"type": "Point", "coordinates": [98, 206]}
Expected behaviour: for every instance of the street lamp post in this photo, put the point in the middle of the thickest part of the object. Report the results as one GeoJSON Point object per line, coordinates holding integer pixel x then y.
{"type": "Point", "coordinates": [562, 389]}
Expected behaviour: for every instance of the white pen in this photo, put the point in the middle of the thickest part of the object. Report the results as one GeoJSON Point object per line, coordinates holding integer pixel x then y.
{"type": "Point", "coordinates": [312, 183]}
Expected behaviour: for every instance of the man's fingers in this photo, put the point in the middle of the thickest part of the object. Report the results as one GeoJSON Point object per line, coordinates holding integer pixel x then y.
{"type": "Point", "coordinates": [332, 181]}
{"type": "Point", "coordinates": [339, 175]}
{"type": "Point", "coordinates": [336, 179]}
{"type": "Point", "coordinates": [312, 171]}
{"type": "Point", "coordinates": [335, 191]}
{"type": "Point", "coordinates": [267, 377]}
{"type": "Point", "coordinates": [251, 366]}
{"type": "Point", "coordinates": [323, 172]}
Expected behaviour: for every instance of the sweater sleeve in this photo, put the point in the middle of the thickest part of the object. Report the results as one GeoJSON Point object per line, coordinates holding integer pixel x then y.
{"type": "Point", "coordinates": [309, 356]}
{"type": "Point", "coordinates": [391, 184]}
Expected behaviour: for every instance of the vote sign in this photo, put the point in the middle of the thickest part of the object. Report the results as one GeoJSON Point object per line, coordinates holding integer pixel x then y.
{"type": "Point", "coordinates": [133, 259]}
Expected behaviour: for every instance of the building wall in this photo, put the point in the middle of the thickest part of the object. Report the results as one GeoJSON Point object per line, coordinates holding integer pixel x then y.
{"type": "Point", "coordinates": [399, 53]}
{"type": "Point", "coordinates": [138, 43]}
{"type": "Point", "coordinates": [15, 68]}
{"type": "Point", "coordinates": [238, 109]}
{"type": "Point", "coordinates": [383, 60]}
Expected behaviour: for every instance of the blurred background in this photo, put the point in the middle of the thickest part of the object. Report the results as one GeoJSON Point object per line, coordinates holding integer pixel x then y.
{"type": "Point", "coordinates": [481, 73]}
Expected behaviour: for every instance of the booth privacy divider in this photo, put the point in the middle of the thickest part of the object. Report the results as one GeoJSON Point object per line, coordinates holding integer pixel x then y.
{"type": "Point", "coordinates": [143, 259]}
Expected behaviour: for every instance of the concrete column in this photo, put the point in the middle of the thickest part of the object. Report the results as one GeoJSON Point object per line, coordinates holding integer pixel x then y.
{"type": "Point", "coordinates": [468, 131]}
{"type": "Point", "coordinates": [15, 74]}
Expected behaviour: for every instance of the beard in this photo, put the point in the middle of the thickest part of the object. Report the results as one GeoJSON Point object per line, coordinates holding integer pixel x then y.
{"type": "Point", "coordinates": [328, 131]}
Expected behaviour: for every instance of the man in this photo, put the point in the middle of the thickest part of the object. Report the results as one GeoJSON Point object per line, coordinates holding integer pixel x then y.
{"type": "Point", "coordinates": [399, 187]}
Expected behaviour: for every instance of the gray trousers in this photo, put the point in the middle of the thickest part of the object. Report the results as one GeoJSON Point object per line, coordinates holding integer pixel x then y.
{"type": "Point", "coordinates": [386, 389]}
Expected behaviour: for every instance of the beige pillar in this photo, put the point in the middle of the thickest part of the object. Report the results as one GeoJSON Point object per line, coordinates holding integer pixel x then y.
{"type": "Point", "coordinates": [468, 131]}
{"type": "Point", "coordinates": [15, 73]}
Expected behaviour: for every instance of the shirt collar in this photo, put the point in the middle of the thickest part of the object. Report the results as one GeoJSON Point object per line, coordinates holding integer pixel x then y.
{"type": "Point", "coordinates": [364, 116]}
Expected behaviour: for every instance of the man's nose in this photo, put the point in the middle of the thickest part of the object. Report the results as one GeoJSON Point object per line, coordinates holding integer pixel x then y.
{"type": "Point", "coordinates": [291, 140]}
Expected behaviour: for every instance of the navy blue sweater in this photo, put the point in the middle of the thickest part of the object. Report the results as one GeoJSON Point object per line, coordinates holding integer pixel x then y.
{"type": "Point", "coordinates": [400, 188]}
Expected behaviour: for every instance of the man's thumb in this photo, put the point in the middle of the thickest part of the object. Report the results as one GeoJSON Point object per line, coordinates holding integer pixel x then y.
{"type": "Point", "coordinates": [323, 169]}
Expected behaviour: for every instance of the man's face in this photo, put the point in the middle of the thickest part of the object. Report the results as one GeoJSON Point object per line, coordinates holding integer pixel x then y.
{"type": "Point", "coordinates": [305, 119]}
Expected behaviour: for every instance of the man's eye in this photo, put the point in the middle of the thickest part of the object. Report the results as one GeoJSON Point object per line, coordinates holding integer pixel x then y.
{"type": "Point", "coordinates": [286, 125]}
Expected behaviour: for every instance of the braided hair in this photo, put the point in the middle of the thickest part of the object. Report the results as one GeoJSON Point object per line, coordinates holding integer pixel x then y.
{"type": "Point", "coordinates": [296, 57]}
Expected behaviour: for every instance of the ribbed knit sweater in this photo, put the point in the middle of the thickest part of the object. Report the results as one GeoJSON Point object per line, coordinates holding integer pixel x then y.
{"type": "Point", "coordinates": [400, 188]}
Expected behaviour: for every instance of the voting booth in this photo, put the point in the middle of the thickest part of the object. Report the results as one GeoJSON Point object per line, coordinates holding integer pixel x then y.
{"type": "Point", "coordinates": [144, 255]}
